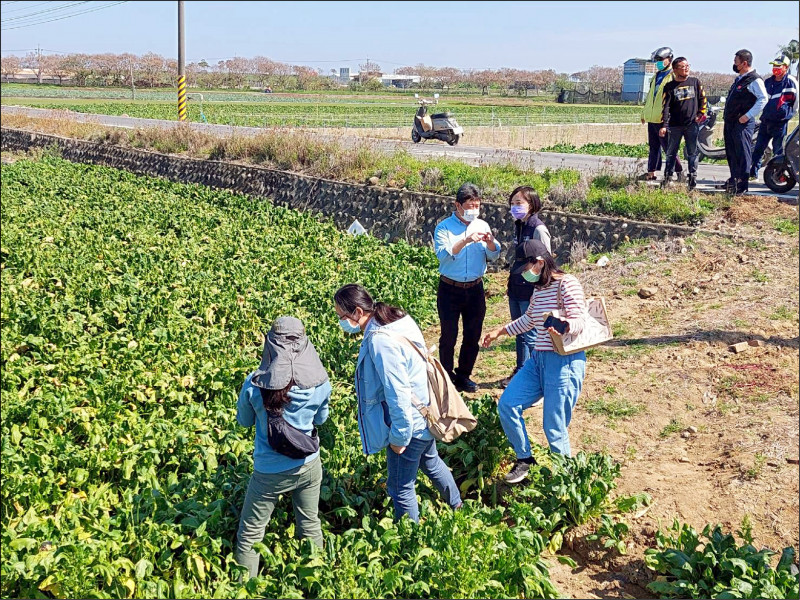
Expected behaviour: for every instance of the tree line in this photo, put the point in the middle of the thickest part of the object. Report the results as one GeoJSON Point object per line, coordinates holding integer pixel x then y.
{"type": "Point", "coordinates": [153, 70]}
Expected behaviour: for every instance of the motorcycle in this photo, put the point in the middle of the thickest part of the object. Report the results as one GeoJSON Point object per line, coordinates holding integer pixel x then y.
{"type": "Point", "coordinates": [705, 139]}
{"type": "Point", "coordinates": [781, 172]}
{"type": "Point", "coordinates": [440, 126]}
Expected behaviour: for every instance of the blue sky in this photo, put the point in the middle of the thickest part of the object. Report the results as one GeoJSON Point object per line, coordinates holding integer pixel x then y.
{"type": "Point", "coordinates": [565, 36]}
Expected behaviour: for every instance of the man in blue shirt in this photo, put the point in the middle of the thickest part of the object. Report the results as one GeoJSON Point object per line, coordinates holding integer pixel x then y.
{"type": "Point", "coordinates": [463, 243]}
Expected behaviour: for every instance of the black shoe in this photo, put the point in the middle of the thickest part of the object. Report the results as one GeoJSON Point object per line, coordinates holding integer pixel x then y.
{"type": "Point", "coordinates": [520, 470]}
{"type": "Point", "coordinates": [667, 181]}
{"type": "Point", "coordinates": [680, 176]}
{"type": "Point", "coordinates": [692, 182]}
{"type": "Point", "coordinates": [466, 385]}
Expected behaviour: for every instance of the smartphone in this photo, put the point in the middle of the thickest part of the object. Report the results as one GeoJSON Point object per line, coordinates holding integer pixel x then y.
{"type": "Point", "coordinates": [557, 324]}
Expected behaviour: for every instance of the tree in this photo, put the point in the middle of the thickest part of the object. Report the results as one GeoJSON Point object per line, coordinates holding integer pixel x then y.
{"type": "Point", "coordinates": [37, 62]}
{"type": "Point", "coordinates": [369, 70]}
{"type": "Point", "coordinates": [10, 65]}
{"type": "Point", "coordinates": [792, 50]}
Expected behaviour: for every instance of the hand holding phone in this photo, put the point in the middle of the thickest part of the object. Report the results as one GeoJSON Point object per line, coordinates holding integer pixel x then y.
{"type": "Point", "coordinates": [557, 324]}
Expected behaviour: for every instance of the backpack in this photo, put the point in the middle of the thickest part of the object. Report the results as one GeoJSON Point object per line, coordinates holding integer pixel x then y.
{"type": "Point", "coordinates": [447, 415]}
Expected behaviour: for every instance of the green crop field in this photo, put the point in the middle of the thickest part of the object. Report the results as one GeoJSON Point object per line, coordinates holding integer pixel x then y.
{"type": "Point", "coordinates": [132, 309]}
{"type": "Point", "coordinates": [264, 110]}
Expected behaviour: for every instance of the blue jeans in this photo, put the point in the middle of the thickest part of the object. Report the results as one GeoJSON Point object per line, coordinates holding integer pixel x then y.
{"type": "Point", "coordinates": [525, 341]}
{"type": "Point", "coordinates": [690, 152]}
{"type": "Point", "coordinates": [419, 454]}
{"type": "Point", "coordinates": [559, 379]}
{"type": "Point", "coordinates": [657, 144]}
{"type": "Point", "coordinates": [768, 131]}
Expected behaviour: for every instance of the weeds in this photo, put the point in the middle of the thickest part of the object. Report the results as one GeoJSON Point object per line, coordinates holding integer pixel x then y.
{"type": "Point", "coordinates": [674, 426]}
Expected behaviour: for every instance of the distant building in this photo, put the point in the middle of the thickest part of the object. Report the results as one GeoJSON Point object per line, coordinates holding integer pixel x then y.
{"type": "Point", "coordinates": [399, 81]}
{"type": "Point", "coordinates": [636, 76]}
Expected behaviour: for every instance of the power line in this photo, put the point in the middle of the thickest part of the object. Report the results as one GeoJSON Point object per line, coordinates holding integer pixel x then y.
{"type": "Point", "coordinates": [66, 16]}
{"type": "Point", "coordinates": [26, 7]}
{"type": "Point", "coordinates": [46, 10]}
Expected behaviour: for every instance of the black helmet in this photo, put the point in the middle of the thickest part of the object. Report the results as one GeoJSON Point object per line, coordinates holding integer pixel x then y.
{"type": "Point", "coordinates": [661, 54]}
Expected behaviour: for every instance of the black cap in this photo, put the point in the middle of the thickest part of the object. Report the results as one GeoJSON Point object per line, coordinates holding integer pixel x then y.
{"type": "Point", "coordinates": [528, 252]}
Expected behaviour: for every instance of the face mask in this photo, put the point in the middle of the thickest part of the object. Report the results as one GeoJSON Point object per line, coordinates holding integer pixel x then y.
{"type": "Point", "coordinates": [519, 212]}
{"type": "Point", "coordinates": [660, 65]}
{"type": "Point", "coordinates": [471, 214]}
{"type": "Point", "coordinates": [348, 327]}
{"type": "Point", "coordinates": [777, 72]}
{"type": "Point", "coordinates": [530, 276]}
{"type": "Point", "coordinates": [735, 68]}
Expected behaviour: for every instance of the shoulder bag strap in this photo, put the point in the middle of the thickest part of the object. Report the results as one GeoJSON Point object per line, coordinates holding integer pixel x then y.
{"type": "Point", "coordinates": [424, 356]}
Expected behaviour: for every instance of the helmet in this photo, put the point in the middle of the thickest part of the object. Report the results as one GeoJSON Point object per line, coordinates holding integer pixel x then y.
{"type": "Point", "coordinates": [661, 54]}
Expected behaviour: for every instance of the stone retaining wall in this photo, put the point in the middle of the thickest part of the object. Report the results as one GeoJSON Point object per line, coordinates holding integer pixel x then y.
{"type": "Point", "coordinates": [387, 213]}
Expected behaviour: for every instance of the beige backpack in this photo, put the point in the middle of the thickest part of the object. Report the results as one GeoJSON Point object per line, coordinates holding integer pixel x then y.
{"type": "Point", "coordinates": [447, 415]}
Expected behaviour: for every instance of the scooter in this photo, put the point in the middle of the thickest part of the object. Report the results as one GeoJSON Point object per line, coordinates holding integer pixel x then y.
{"type": "Point", "coordinates": [441, 126]}
{"type": "Point", "coordinates": [705, 139]}
{"type": "Point", "coordinates": [781, 172]}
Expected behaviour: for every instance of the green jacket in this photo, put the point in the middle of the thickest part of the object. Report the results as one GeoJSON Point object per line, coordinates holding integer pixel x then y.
{"type": "Point", "coordinates": [654, 102]}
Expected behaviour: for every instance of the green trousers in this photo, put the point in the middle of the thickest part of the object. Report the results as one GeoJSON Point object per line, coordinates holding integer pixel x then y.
{"type": "Point", "coordinates": [263, 493]}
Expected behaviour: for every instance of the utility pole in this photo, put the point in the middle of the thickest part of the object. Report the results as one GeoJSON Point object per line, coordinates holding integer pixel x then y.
{"type": "Point", "coordinates": [181, 66]}
{"type": "Point", "coordinates": [133, 88]}
{"type": "Point", "coordinates": [38, 64]}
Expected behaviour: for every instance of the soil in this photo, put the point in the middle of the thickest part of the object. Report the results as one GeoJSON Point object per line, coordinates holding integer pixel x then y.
{"type": "Point", "coordinates": [710, 434]}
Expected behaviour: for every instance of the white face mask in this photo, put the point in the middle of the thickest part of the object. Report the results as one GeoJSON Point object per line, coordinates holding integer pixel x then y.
{"type": "Point", "coordinates": [471, 214]}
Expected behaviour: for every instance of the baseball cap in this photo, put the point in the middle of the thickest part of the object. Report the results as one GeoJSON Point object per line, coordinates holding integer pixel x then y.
{"type": "Point", "coordinates": [529, 251]}
{"type": "Point", "coordinates": [780, 61]}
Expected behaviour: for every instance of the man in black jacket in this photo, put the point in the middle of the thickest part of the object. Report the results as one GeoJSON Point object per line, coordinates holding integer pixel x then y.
{"type": "Point", "coordinates": [746, 99]}
{"type": "Point", "coordinates": [684, 109]}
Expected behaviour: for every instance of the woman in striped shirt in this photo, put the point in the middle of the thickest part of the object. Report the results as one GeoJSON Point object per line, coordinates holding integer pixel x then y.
{"type": "Point", "coordinates": [546, 373]}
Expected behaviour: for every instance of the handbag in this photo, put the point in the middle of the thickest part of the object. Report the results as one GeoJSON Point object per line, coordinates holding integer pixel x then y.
{"type": "Point", "coordinates": [596, 330]}
{"type": "Point", "coordinates": [289, 440]}
{"type": "Point", "coordinates": [446, 415]}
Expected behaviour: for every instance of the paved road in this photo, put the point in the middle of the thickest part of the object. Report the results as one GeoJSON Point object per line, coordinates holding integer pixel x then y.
{"type": "Point", "coordinates": [708, 174]}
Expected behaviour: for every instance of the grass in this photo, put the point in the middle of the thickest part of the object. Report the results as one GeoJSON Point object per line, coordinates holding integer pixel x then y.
{"type": "Point", "coordinates": [759, 276]}
{"type": "Point", "coordinates": [675, 426]}
{"type": "Point", "coordinates": [644, 203]}
{"type": "Point", "coordinates": [783, 313]}
{"type": "Point", "coordinates": [753, 472]}
{"type": "Point", "coordinates": [787, 226]}
{"type": "Point", "coordinates": [613, 408]}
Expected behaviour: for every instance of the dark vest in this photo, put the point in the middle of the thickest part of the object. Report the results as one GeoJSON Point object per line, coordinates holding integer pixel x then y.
{"type": "Point", "coordinates": [518, 288]}
{"type": "Point", "coordinates": [740, 99]}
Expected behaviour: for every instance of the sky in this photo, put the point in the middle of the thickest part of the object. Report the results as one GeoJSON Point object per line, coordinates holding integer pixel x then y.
{"type": "Point", "coordinates": [564, 36]}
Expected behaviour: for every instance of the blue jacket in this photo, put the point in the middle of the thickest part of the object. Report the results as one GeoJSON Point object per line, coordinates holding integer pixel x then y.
{"type": "Point", "coordinates": [308, 409]}
{"type": "Point", "coordinates": [388, 375]}
{"type": "Point", "coordinates": [782, 99]}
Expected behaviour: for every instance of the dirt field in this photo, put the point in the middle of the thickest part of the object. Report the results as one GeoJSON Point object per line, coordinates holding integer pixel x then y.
{"type": "Point", "coordinates": [534, 137]}
{"type": "Point", "coordinates": [669, 369]}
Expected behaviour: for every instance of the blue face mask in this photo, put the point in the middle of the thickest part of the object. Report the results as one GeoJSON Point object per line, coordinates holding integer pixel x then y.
{"type": "Point", "coordinates": [348, 327]}
{"type": "Point", "coordinates": [518, 211]}
{"type": "Point", "coordinates": [660, 65]}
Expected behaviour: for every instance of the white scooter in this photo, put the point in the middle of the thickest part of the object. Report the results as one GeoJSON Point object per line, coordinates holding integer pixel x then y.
{"type": "Point", "coordinates": [440, 126]}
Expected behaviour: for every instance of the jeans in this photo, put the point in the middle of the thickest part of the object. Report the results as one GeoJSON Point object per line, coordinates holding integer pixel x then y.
{"type": "Point", "coordinates": [527, 340]}
{"type": "Point", "coordinates": [263, 493]}
{"type": "Point", "coordinates": [419, 454]}
{"type": "Point", "coordinates": [559, 379]}
{"type": "Point", "coordinates": [469, 304]}
{"type": "Point", "coordinates": [768, 131]}
{"type": "Point", "coordinates": [657, 144]}
{"type": "Point", "coordinates": [739, 151]}
{"type": "Point", "coordinates": [690, 152]}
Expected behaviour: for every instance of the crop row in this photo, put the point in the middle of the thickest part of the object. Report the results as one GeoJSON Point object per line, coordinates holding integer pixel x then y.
{"type": "Point", "coordinates": [253, 114]}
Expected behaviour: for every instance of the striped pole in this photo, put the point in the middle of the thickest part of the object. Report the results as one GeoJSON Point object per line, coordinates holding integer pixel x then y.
{"type": "Point", "coordinates": [181, 98]}
{"type": "Point", "coordinates": [181, 66]}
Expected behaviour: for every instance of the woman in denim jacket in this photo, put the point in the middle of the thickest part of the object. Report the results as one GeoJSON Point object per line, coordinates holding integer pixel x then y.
{"type": "Point", "coordinates": [390, 378]}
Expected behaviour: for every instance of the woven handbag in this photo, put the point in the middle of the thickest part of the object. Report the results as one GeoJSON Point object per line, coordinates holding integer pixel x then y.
{"type": "Point", "coordinates": [596, 330]}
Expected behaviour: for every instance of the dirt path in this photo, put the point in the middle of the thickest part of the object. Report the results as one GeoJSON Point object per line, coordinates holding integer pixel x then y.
{"type": "Point", "coordinates": [710, 434]}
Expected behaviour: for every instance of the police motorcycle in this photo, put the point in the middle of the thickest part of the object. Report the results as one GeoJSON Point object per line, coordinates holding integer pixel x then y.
{"type": "Point", "coordinates": [439, 126]}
